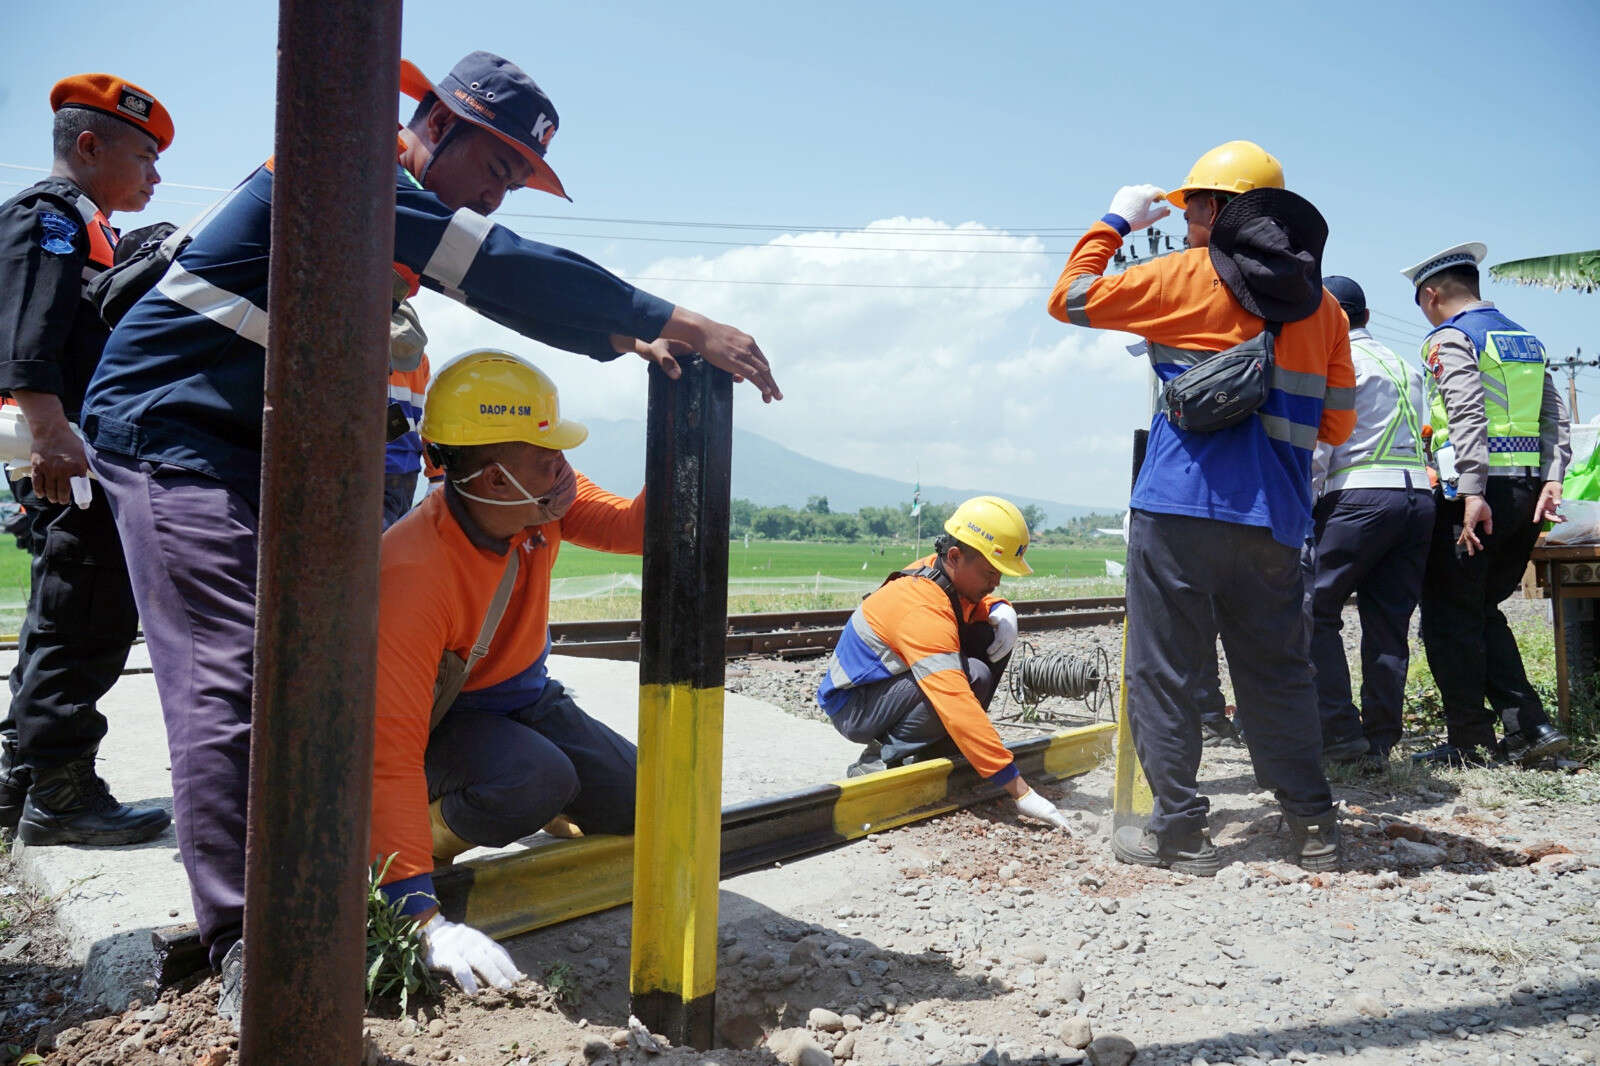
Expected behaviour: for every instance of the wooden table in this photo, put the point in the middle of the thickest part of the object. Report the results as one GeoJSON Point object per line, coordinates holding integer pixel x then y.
{"type": "Point", "coordinates": [1566, 572]}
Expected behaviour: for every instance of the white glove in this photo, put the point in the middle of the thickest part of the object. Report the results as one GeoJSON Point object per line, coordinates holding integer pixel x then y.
{"type": "Point", "coordinates": [1003, 617]}
{"type": "Point", "coordinates": [1136, 205]}
{"type": "Point", "coordinates": [1034, 805]}
{"type": "Point", "coordinates": [461, 951]}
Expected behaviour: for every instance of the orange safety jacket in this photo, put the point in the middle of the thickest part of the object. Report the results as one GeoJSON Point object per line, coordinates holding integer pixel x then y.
{"type": "Point", "coordinates": [435, 582]}
{"type": "Point", "coordinates": [908, 626]}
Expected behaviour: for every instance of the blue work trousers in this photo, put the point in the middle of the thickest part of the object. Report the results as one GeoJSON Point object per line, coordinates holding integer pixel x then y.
{"type": "Point", "coordinates": [1372, 543]}
{"type": "Point", "coordinates": [501, 777]}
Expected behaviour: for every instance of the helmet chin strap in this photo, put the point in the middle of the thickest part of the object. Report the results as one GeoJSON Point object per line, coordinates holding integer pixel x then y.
{"type": "Point", "coordinates": [527, 497]}
{"type": "Point", "coordinates": [433, 156]}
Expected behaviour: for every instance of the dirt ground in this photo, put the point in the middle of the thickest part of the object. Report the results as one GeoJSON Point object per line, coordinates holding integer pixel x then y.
{"type": "Point", "coordinates": [1462, 928]}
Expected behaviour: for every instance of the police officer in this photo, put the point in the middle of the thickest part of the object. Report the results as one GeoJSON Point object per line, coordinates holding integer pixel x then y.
{"type": "Point", "coordinates": [1373, 518]}
{"type": "Point", "coordinates": [54, 238]}
{"type": "Point", "coordinates": [1495, 407]}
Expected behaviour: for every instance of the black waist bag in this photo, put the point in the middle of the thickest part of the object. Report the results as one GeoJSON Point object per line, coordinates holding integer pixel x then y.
{"type": "Point", "coordinates": [1225, 389]}
{"type": "Point", "coordinates": [141, 259]}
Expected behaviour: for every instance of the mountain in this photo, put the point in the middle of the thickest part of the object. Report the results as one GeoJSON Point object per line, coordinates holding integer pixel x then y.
{"type": "Point", "coordinates": [771, 475]}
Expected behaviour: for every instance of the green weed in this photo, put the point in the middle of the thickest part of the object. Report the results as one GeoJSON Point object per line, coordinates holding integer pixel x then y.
{"type": "Point", "coordinates": [562, 981]}
{"type": "Point", "coordinates": [395, 966]}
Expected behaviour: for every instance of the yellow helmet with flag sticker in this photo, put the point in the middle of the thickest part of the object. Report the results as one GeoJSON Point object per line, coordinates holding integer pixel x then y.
{"type": "Point", "coordinates": [490, 397]}
{"type": "Point", "coordinates": [1235, 167]}
{"type": "Point", "coordinates": [995, 528]}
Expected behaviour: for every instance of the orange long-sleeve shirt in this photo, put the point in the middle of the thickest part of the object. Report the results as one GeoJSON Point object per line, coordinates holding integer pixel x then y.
{"type": "Point", "coordinates": [1255, 473]}
{"type": "Point", "coordinates": [435, 584]}
{"type": "Point", "coordinates": [907, 625]}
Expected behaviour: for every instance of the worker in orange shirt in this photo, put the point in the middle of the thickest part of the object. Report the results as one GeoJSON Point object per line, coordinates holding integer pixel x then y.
{"type": "Point", "coordinates": [917, 664]}
{"type": "Point", "coordinates": [1221, 507]}
{"type": "Point", "coordinates": [511, 752]}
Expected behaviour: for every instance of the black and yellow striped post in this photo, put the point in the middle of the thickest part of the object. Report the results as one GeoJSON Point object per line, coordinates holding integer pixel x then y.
{"type": "Point", "coordinates": [684, 614]}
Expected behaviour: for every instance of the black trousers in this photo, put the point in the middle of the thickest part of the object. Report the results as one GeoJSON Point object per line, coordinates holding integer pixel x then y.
{"type": "Point", "coordinates": [1187, 579]}
{"type": "Point", "coordinates": [1372, 543]}
{"type": "Point", "coordinates": [897, 713]}
{"type": "Point", "coordinates": [74, 641]}
{"type": "Point", "coordinates": [1473, 656]}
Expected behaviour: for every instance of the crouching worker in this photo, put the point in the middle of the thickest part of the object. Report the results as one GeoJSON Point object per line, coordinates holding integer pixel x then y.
{"type": "Point", "coordinates": [501, 750]}
{"type": "Point", "coordinates": [920, 659]}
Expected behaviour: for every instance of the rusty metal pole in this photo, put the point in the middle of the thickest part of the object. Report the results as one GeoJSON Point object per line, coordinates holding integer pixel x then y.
{"type": "Point", "coordinates": [321, 465]}
{"type": "Point", "coordinates": [682, 633]}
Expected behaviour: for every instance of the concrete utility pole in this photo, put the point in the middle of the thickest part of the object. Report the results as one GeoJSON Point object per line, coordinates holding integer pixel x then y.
{"type": "Point", "coordinates": [322, 484]}
{"type": "Point", "coordinates": [682, 639]}
{"type": "Point", "coordinates": [1572, 364]}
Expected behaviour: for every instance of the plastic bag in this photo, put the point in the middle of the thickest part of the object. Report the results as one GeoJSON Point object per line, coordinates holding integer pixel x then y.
{"type": "Point", "coordinates": [1582, 525]}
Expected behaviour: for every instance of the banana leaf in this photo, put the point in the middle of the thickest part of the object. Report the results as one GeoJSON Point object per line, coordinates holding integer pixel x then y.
{"type": "Point", "coordinates": [1574, 270]}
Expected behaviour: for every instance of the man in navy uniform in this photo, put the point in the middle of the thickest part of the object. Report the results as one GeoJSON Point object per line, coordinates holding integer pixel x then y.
{"type": "Point", "coordinates": [54, 238]}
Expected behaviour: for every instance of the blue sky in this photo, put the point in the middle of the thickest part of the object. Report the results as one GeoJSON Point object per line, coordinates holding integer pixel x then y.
{"type": "Point", "coordinates": [1412, 126]}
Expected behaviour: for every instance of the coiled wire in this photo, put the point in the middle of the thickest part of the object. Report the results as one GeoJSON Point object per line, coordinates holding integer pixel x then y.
{"type": "Point", "coordinates": [1035, 676]}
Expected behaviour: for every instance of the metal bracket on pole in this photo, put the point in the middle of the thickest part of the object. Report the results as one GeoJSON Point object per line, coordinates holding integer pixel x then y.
{"type": "Point", "coordinates": [322, 483]}
{"type": "Point", "coordinates": [684, 601]}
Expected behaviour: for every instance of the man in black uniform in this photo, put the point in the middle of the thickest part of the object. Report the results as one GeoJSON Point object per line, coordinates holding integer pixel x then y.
{"type": "Point", "coordinates": [55, 237]}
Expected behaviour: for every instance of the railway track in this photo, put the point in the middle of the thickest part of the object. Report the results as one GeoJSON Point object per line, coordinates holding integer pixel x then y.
{"type": "Point", "coordinates": [798, 633]}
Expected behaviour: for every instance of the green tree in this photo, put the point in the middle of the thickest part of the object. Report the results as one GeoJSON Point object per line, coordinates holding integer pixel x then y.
{"type": "Point", "coordinates": [817, 505]}
{"type": "Point", "coordinates": [1035, 516]}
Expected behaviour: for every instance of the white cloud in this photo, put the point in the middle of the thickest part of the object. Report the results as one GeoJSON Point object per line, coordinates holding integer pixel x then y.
{"type": "Point", "coordinates": [947, 361]}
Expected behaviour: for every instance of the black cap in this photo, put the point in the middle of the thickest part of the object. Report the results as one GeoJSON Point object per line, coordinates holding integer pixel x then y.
{"type": "Point", "coordinates": [1347, 292]}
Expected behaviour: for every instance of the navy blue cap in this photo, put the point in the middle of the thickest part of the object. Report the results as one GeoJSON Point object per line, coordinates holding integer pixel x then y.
{"type": "Point", "coordinates": [1347, 292]}
{"type": "Point", "coordinates": [496, 94]}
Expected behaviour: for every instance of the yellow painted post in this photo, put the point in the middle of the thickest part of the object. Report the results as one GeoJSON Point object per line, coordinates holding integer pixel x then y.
{"type": "Point", "coordinates": [1131, 801]}
{"type": "Point", "coordinates": [683, 629]}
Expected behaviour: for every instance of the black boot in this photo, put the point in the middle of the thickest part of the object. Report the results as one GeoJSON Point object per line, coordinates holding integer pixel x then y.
{"type": "Point", "coordinates": [14, 781]}
{"type": "Point", "coordinates": [71, 805]}
{"type": "Point", "coordinates": [1314, 841]}
{"type": "Point", "coordinates": [1536, 742]}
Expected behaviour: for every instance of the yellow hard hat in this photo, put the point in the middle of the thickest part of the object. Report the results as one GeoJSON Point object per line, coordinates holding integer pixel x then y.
{"type": "Point", "coordinates": [489, 397]}
{"type": "Point", "coordinates": [1235, 167]}
{"type": "Point", "coordinates": [997, 529]}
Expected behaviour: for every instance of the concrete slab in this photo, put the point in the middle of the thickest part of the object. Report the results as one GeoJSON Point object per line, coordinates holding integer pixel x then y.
{"type": "Point", "coordinates": [108, 899]}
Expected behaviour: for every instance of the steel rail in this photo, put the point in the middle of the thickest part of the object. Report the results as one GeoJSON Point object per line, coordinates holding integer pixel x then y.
{"type": "Point", "coordinates": [552, 883]}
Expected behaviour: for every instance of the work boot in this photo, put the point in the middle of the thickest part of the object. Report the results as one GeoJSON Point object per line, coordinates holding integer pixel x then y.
{"type": "Point", "coordinates": [1453, 756]}
{"type": "Point", "coordinates": [864, 766]}
{"type": "Point", "coordinates": [1314, 841]}
{"type": "Point", "coordinates": [1346, 751]}
{"type": "Point", "coordinates": [230, 990]}
{"type": "Point", "coordinates": [71, 805]}
{"type": "Point", "coordinates": [1191, 854]}
{"type": "Point", "coordinates": [446, 844]}
{"type": "Point", "coordinates": [1218, 730]}
{"type": "Point", "coordinates": [14, 781]}
{"type": "Point", "coordinates": [1528, 746]}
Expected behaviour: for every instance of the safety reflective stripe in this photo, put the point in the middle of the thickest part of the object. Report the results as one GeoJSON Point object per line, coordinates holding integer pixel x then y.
{"type": "Point", "coordinates": [875, 644]}
{"type": "Point", "coordinates": [935, 663]}
{"type": "Point", "coordinates": [1300, 383]}
{"type": "Point", "coordinates": [1078, 299]}
{"type": "Point", "coordinates": [1166, 353]}
{"type": "Point", "coordinates": [1294, 433]}
{"type": "Point", "coordinates": [456, 250]}
{"type": "Point", "coordinates": [218, 304]}
{"type": "Point", "coordinates": [838, 675]}
{"type": "Point", "coordinates": [405, 395]}
{"type": "Point", "coordinates": [1514, 444]}
{"type": "Point", "coordinates": [1339, 398]}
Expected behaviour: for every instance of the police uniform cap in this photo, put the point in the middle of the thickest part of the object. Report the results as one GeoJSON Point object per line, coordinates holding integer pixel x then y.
{"type": "Point", "coordinates": [1470, 254]}
{"type": "Point", "coordinates": [118, 98]}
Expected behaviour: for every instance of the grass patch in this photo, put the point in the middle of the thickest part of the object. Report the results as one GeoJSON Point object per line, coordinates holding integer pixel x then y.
{"type": "Point", "coordinates": [1519, 951]}
{"type": "Point", "coordinates": [562, 981]}
{"type": "Point", "coordinates": [395, 966]}
{"type": "Point", "coordinates": [1488, 784]}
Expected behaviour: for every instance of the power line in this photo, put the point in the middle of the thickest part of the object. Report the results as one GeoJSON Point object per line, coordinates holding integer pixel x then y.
{"type": "Point", "coordinates": [843, 284]}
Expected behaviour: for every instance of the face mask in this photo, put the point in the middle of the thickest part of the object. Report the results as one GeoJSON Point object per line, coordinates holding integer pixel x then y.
{"type": "Point", "coordinates": [551, 506]}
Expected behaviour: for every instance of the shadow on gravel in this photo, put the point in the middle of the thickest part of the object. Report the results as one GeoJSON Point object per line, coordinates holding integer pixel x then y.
{"type": "Point", "coordinates": [1401, 1028]}
{"type": "Point", "coordinates": [772, 969]}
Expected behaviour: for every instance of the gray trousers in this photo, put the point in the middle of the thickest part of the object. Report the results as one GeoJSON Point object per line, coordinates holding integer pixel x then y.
{"type": "Point", "coordinates": [191, 549]}
{"type": "Point", "coordinates": [1187, 579]}
{"type": "Point", "coordinates": [896, 714]}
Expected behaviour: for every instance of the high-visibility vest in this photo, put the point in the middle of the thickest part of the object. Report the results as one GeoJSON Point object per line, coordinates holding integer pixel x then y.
{"type": "Point", "coordinates": [1397, 449]}
{"type": "Point", "coordinates": [1511, 366]}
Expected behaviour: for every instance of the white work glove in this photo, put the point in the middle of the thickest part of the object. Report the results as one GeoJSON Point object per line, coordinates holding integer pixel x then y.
{"type": "Point", "coordinates": [461, 951]}
{"type": "Point", "coordinates": [1034, 805]}
{"type": "Point", "coordinates": [1003, 617]}
{"type": "Point", "coordinates": [1137, 206]}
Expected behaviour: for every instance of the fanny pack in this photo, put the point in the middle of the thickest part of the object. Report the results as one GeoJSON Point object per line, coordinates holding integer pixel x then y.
{"type": "Point", "coordinates": [1225, 389]}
